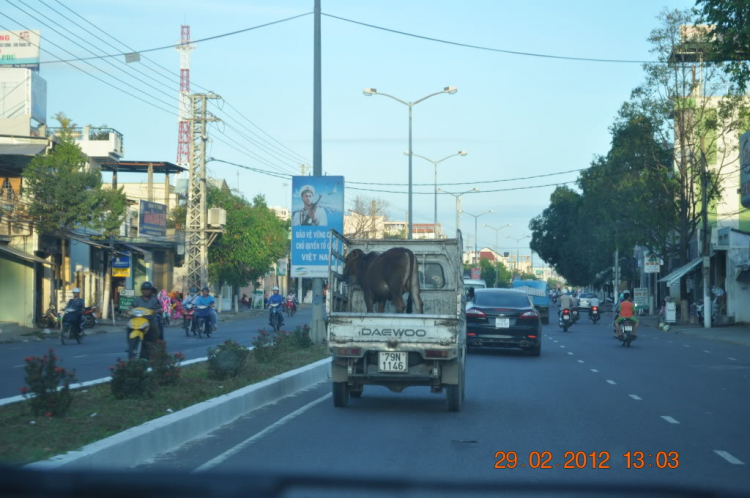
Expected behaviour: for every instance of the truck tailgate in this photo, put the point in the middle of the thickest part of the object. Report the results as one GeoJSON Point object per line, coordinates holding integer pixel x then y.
{"type": "Point", "coordinates": [381, 327]}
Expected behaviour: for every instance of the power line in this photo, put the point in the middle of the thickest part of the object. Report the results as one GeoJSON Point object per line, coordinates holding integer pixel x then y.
{"type": "Point", "coordinates": [80, 59]}
{"type": "Point", "coordinates": [474, 183]}
{"type": "Point", "coordinates": [264, 148]}
{"type": "Point", "coordinates": [256, 170]}
{"type": "Point", "coordinates": [250, 154]}
{"type": "Point", "coordinates": [90, 74]}
{"type": "Point", "coordinates": [170, 95]}
{"type": "Point", "coordinates": [280, 167]}
{"type": "Point", "coordinates": [176, 76]}
{"type": "Point", "coordinates": [490, 49]}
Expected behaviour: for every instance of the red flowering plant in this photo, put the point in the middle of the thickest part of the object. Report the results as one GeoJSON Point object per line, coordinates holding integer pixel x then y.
{"type": "Point", "coordinates": [264, 346]}
{"type": "Point", "coordinates": [226, 360]}
{"type": "Point", "coordinates": [166, 366]}
{"type": "Point", "coordinates": [131, 379]}
{"type": "Point", "coordinates": [48, 385]}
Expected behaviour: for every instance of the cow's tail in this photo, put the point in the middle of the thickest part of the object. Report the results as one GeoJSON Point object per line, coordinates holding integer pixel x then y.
{"type": "Point", "coordinates": [412, 271]}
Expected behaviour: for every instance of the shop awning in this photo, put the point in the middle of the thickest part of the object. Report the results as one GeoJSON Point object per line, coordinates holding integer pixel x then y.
{"type": "Point", "coordinates": [680, 272]}
{"type": "Point", "coordinates": [23, 255]}
{"type": "Point", "coordinates": [135, 248]}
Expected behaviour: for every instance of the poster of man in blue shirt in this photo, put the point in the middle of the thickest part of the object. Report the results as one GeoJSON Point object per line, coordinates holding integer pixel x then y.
{"type": "Point", "coordinates": [317, 206]}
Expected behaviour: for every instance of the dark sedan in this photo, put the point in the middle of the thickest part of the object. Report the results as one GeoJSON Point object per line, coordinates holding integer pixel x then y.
{"type": "Point", "coordinates": [503, 318]}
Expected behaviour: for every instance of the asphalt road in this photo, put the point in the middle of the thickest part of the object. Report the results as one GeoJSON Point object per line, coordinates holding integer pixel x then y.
{"type": "Point", "coordinates": [92, 358]}
{"type": "Point", "coordinates": [585, 393]}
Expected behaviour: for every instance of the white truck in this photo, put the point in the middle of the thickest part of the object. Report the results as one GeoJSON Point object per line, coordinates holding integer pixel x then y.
{"type": "Point", "coordinates": [398, 350]}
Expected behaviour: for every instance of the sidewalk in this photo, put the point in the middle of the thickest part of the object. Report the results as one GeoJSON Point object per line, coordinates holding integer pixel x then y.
{"type": "Point", "coordinates": [28, 334]}
{"type": "Point", "coordinates": [735, 334]}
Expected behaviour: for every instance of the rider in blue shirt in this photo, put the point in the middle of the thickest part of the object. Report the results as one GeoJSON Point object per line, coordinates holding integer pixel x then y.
{"type": "Point", "coordinates": [205, 299]}
{"type": "Point", "coordinates": [276, 298]}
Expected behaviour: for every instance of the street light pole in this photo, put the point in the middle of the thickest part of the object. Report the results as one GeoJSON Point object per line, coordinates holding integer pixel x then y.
{"type": "Point", "coordinates": [518, 241]}
{"type": "Point", "coordinates": [497, 231]}
{"type": "Point", "coordinates": [458, 205]}
{"type": "Point", "coordinates": [476, 235]}
{"type": "Point", "coordinates": [435, 163]}
{"type": "Point", "coordinates": [369, 92]}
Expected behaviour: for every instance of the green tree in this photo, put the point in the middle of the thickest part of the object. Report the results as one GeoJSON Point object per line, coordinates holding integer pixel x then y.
{"type": "Point", "coordinates": [732, 40]}
{"type": "Point", "coordinates": [504, 275]}
{"type": "Point", "coordinates": [489, 272]}
{"type": "Point", "coordinates": [254, 238]}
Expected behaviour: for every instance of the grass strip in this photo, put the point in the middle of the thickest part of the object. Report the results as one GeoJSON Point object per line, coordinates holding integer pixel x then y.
{"type": "Point", "coordinates": [95, 414]}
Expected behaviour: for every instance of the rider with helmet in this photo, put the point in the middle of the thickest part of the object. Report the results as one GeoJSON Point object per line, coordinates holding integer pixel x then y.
{"type": "Point", "coordinates": [149, 300]}
{"type": "Point", "coordinates": [191, 297]}
{"type": "Point", "coordinates": [276, 298]}
{"type": "Point", "coordinates": [625, 310]}
{"type": "Point", "coordinates": [78, 305]}
{"type": "Point", "coordinates": [206, 299]}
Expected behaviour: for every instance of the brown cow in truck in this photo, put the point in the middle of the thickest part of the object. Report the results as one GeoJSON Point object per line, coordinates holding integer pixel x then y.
{"type": "Point", "coordinates": [385, 277]}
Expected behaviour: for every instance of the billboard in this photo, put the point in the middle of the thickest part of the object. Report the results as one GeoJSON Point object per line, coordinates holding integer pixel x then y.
{"type": "Point", "coordinates": [121, 266]}
{"type": "Point", "coordinates": [640, 296]}
{"type": "Point", "coordinates": [152, 220]}
{"type": "Point", "coordinates": [745, 169]}
{"type": "Point", "coordinates": [317, 206]}
{"type": "Point", "coordinates": [20, 49]}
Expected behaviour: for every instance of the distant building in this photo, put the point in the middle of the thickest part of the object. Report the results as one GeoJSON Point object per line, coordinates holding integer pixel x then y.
{"type": "Point", "coordinates": [281, 212]}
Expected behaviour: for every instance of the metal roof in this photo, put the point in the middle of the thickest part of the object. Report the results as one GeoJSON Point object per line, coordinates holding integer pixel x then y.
{"type": "Point", "coordinates": [23, 255]}
{"type": "Point", "coordinates": [142, 167]}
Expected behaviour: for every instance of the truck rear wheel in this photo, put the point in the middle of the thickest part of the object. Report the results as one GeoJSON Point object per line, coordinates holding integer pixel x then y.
{"type": "Point", "coordinates": [454, 394]}
{"type": "Point", "coordinates": [340, 394]}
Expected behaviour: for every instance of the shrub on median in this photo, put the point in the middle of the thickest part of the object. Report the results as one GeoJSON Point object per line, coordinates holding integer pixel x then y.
{"type": "Point", "coordinates": [165, 366]}
{"type": "Point", "coordinates": [226, 360]}
{"type": "Point", "coordinates": [48, 385]}
{"type": "Point", "coordinates": [264, 344]}
{"type": "Point", "coordinates": [131, 379]}
{"type": "Point", "coordinates": [299, 339]}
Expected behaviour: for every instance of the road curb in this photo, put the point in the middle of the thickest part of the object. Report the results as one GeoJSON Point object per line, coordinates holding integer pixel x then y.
{"type": "Point", "coordinates": [138, 444]}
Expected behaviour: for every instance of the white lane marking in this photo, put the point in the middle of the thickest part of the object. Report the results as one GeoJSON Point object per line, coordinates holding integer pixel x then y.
{"type": "Point", "coordinates": [19, 366]}
{"type": "Point", "coordinates": [706, 351]}
{"type": "Point", "coordinates": [669, 342]}
{"type": "Point", "coordinates": [730, 358]}
{"type": "Point", "coordinates": [580, 361]}
{"type": "Point", "coordinates": [595, 370]}
{"type": "Point", "coordinates": [669, 419]}
{"type": "Point", "coordinates": [611, 382]}
{"type": "Point", "coordinates": [636, 397]}
{"type": "Point", "coordinates": [686, 345]}
{"type": "Point", "coordinates": [729, 458]}
{"type": "Point", "coordinates": [81, 356]}
{"type": "Point", "coordinates": [247, 442]}
{"type": "Point", "coordinates": [570, 353]}
{"type": "Point", "coordinates": [554, 341]}
{"type": "Point", "coordinates": [562, 347]}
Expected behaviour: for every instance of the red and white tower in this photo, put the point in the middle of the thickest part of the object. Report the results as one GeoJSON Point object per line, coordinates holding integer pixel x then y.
{"type": "Point", "coordinates": [183, 132]}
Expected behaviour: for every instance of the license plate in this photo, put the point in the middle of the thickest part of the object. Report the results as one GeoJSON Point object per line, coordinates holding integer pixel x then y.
{"type": "Point", "coordinates": [566, 317]}
{"type": "Point", "coordinates": [628, 328]}
{"type": "Point", "coordinates": [393, 362]}
{"type": "Point", "coordinates": [502, 323]}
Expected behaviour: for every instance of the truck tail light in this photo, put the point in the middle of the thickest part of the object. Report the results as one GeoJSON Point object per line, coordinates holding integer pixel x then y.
{"type": "Point", "coordinates": [532, 337]}
{"type": "Point", "coordinates": [529, 315]}
{"type": "Point", "coordinates": [350, 351]}
{"type": "Point", "coordinates": [472, 333]}
{"type": "Point", "coordinates": [436, 353]}
{"type": "Point", "coordinates": [475, 313]}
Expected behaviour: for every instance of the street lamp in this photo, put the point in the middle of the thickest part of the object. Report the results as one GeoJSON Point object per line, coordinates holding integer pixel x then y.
{"type": "Point", "coordinates": [497, 230]}
{"type": "Point", "coordinates": [518, 240]}
{"type": "Point", "coordinates": [458, 205]}
{"type": "Point", "coordinates": [369, 92]}
{"type": "Point", "coordinates": [435, 163]}
{"type": "Point", "coordinates": [476, 237]}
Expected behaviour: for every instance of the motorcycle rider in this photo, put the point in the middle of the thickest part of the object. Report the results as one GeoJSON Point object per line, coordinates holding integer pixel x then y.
{"type": "Point", "coordinates": [276, 298]}
{"type": "Point", "coordinates": [626, 310]}
{"type": "Point", "coordinates": [206, 299]}
{"type": "Point", "coordinates": [593, 303]}
{"type": "Point", "coordinates": [78, 304]}
{"type": "Point", "coordinates": [149, 300]}
{"type": "Point", "coordinates": [566, 302]}
{"type": "Point", "coordinates": [191, 297]}
{"type": "Point", "coordinates": [293, 298]}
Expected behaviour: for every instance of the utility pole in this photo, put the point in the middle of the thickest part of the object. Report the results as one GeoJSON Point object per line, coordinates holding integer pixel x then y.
{"type": "Point", "coordinates": [318, 325]}
{"type": "Point", "coordinates": [196, 253]}
{"type": "Point", "coordinates": [707, 312]}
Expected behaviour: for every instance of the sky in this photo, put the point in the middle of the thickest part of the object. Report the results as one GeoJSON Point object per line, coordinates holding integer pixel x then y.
{"type": "Point", "coordinates": [517, 116]}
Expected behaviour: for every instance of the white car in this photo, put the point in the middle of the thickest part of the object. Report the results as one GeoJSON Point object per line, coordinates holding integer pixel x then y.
{"type": "Point", "coordinates": [584, 300]}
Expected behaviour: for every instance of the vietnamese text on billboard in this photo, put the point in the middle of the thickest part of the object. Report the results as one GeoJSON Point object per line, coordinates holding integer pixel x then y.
{"type": "Point", "coordinates": [152, 221]}
{"type": "Point", "coordinates": [317, 206]}
{"type": "Point", "coordinates": [19, 49]}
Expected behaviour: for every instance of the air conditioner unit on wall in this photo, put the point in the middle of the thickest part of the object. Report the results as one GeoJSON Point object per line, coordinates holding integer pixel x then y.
{"type": "Point", "coordinates": [217, 217]}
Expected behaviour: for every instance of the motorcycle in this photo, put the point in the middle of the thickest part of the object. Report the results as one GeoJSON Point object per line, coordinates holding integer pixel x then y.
{"type": "Point", "coordinates": [188, 322]}
{"type": "Point", "coordinates": [49, 319]}
{"type": "Point", "coordinates": [66, 331]}
{"type": "Point", "coordinates": [89, 320]}
{"type": "Point", "coordinates": [699, 311]}
{"type": "Point", "coordinates": [203, 320]}
{"type": "Point", "coordinates": [575, 315]}
{"type": "Point", "coordinates": [627, 327]}
{"type": "Point", "coordinates": [138, 328]}
{"type": "Point", "coordinates": [594, 314]}
{"type": "Point", "coordinates": [566, 320]}
{"type": "Point", "coordinates": [275, 317]}
{"type": "Point", "coordinates": [290, 306]}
